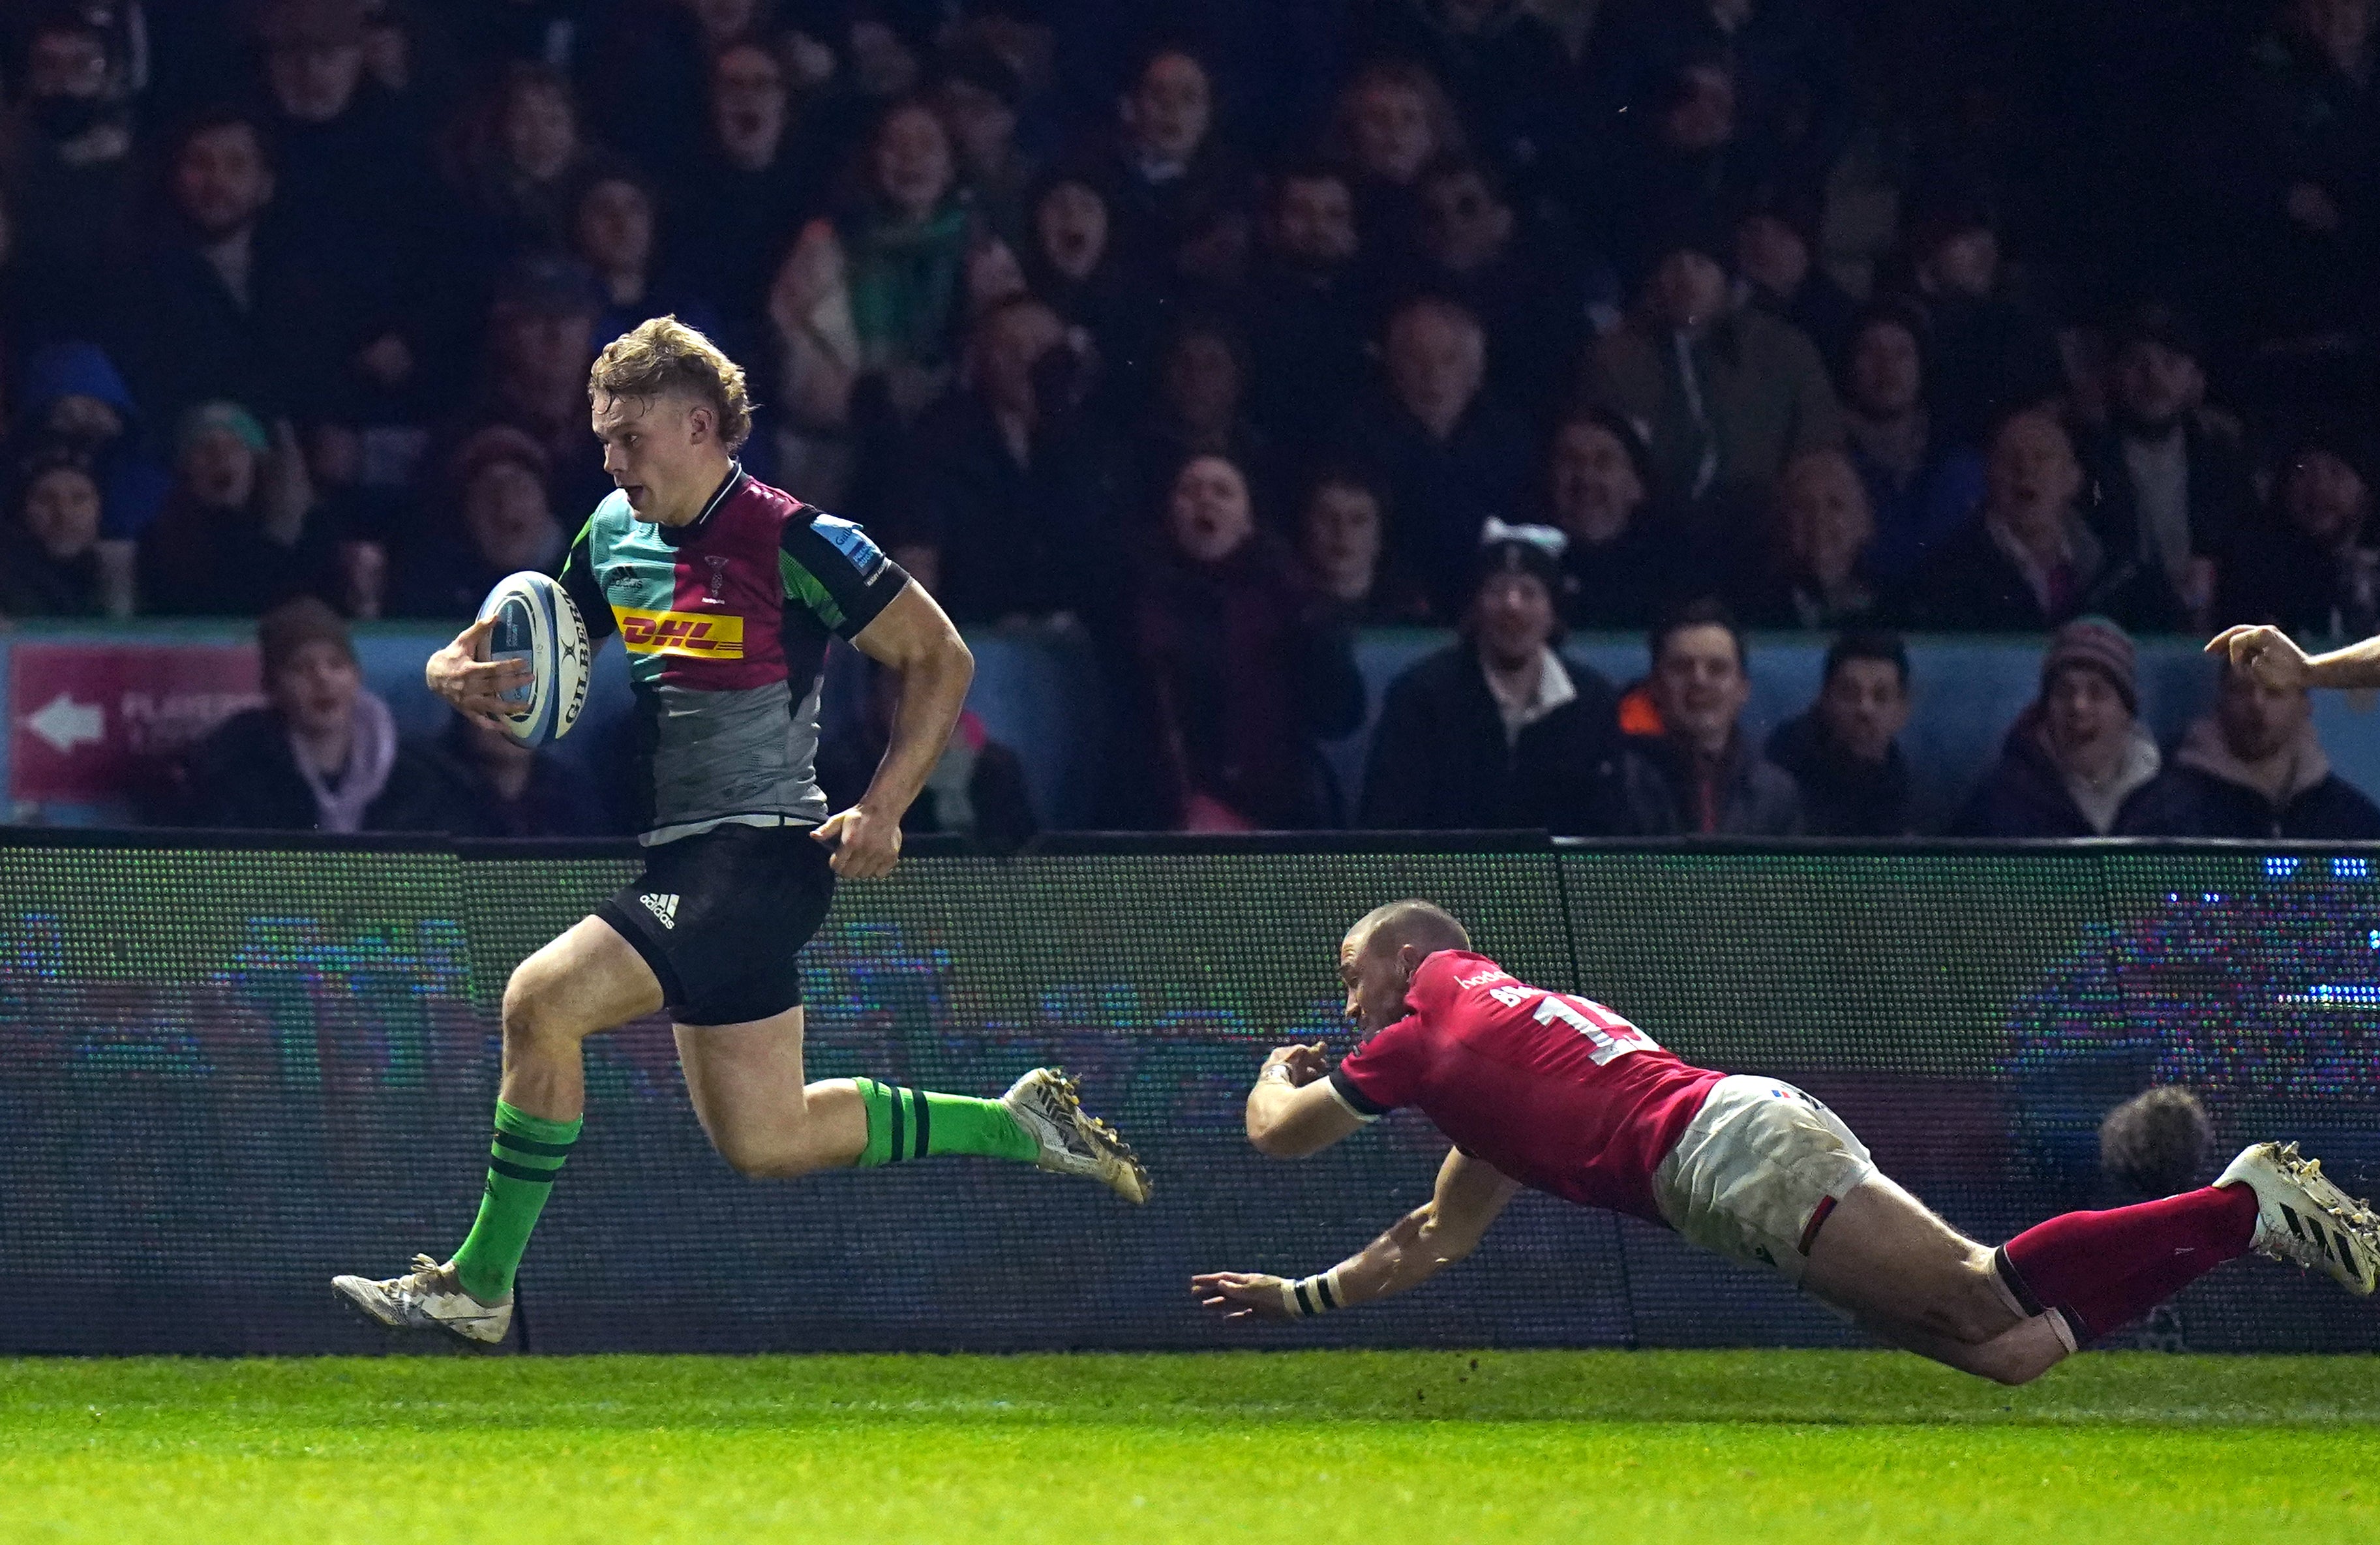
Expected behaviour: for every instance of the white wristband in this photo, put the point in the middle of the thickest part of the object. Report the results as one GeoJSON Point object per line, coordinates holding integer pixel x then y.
{"type": "Point", "coordinates": [1308, 1297]}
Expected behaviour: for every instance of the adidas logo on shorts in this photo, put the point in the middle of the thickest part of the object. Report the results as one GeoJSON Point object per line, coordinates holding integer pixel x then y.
{"type": "Point", "coordinates": [662, 906]}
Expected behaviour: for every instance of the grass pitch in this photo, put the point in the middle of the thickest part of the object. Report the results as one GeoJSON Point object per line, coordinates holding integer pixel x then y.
{"type": "Point", "coordinates": [1750, 1447]}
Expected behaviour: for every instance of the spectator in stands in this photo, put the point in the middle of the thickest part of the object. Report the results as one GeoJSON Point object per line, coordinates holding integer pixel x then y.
{"type": "Point", "coordinates": [1536, 311]}
{"type": "Point", "coordinates": [50, 550]}
{"type": "Point", "coordinates": [228, 306]}
{"type": "Point", "coordinates": [1391, 121]}
{"type": "Point", "coordinates": [1700, 775]}
{"type": "Point", "coordinates": [1166, 167]}
{"type": "Point", "coordinates": [2076, 762]}
{"type": "Point", "coordinates": [1921, 486]}
{"type": "Point", "coordinates": [66, 167]}
{"type": "Point", "coordinates": [1242, 668]}
{"type": "Point", "coordinates": [1072, 265]}
{"type": "Point", "coordinates": [979, 96]}
{"type": "Point", "coordinates": [1448, 455]}
{"type": "Point", "coordinates": [1753, 390]}
{"type": "Point", "coordinates": [1681, 162]}
{"type": "Point", "coordinates": [1501, 60]}
{"type": "Point", "coordinates": [749, 188]}
{"type": "Point", "coordinates": [2313, 566]}
{"type": "Point", "coordinates": [2172, 490]}
{"type": "Point", "coordinates": [541, 343]}
{"type": "Point", "coordinates": [874, 297]}
{"type": "Point", "coordinates": [614, 226]}
{"type": "Point", "coordinates": [1626, 558]}
{"type": "Point", "coordinates": [1986, 356]}
{"type": "Point", "coordinates": [317, 754]}
{"type": "Point", "coordinates": [1845, 753]}
{"type": "Point", "coordinates": [235, 538]}
{"type": "Point", "coordinates": [1000, 473]}
{"type": "Point", "coordinates": [527, 163]}
{"type": "Point", "coordinates": [349, 171]}
{"type": "Point", "coordinates": [1309, 318]}
{"type": "Point", "coordinates": [1775, 251]}
{"type": "Point", "coordinates": [2290, 171]}
{"type": "Point", "coordinates": [1817, 575]}
{"type": "Point", "coordinates": [73, 396]}
{"type": "Point", "coordinates": [2026, 561]}
{"type": "Point", "coordinates": [471, 781]}
{"type": "Point", "coordinates": [504, 512]}
{"type": "Point", "coordinates": [1497, 730]}
{"type": "Point", "coordinates": [1342, 534]}
{"type": "Point", "coordinates": [976, 790]}
{"type": "Point", "coordinates": [2254, 769]}
{"type": "Point", "coordinates": [1202, 373]}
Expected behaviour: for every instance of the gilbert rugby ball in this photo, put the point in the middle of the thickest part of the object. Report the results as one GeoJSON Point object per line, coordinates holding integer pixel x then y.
{"type": "Point", "coordinates": [537, 621]}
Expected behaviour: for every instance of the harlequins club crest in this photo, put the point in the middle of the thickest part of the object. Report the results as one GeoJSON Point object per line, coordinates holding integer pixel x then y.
{"type": "Point", "coordinates": [716, 594]}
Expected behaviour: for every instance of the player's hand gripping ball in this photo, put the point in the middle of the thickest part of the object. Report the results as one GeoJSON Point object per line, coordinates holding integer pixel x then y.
{"type": "Point", "coordinates": [536, 623]}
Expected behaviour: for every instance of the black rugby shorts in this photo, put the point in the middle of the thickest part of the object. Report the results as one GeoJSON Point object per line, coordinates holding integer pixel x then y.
{"type": "Point", "coordinates": [721, 915]}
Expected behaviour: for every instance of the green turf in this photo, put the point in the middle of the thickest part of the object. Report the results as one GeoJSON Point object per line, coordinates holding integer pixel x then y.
{"type": "Point", "coordinates": [1750, 1447]}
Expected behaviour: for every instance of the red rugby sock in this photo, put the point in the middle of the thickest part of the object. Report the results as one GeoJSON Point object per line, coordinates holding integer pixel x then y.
{"type": "Point", "coordinates": [2108, 1268]}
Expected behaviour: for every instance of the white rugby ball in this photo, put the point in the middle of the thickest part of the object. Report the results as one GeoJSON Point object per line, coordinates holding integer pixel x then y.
{"type": "Point", "coordinates": [537, 621]}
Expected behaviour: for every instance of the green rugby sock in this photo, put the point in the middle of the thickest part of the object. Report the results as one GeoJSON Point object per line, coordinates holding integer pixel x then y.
{"type": "Point", "coordinates": [919, 1124]}
{"type": "Point", "coordinates": [527, 1155]}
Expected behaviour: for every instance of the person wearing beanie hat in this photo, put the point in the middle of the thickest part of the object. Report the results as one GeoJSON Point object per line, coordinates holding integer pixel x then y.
{"type": "Point", "coordinates": [317, 755]}
{"type": "Point", "coordinates": [239, 532]}
{"type": "Point", "coordinates": [1498, 731]}
{"type": "Point", "coordinates": [1724, 394]}
{"type": "Point", "coordinates": [2313, 566]}
{"type": "Point", "coordinates": [2076, 762]}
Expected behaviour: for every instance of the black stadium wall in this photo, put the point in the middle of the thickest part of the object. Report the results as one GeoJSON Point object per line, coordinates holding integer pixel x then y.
{"type": "Point", "coordinates": [229, 1069]}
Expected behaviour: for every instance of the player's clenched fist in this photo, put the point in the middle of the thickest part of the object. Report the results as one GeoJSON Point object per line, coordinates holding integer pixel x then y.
{"type": "Point", "coordinates": [2266, 653]}
{"type": "Point", "coordinates": [866, 844]}
{"type": "Point", "coordinates": [1242, 1295]}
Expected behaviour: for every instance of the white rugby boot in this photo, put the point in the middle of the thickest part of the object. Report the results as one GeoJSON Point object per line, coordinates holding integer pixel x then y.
{"type": "Point", "coordinates": [1046, 1103]}
{"type": "Point", "coordinates": [422, 1300]}
{"type": "Point", "coordinates": [2301, 1217]}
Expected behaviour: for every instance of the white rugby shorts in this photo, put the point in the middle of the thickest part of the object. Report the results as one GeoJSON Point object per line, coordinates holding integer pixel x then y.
{"type": "Point", "coordinates": [1756, 1171]}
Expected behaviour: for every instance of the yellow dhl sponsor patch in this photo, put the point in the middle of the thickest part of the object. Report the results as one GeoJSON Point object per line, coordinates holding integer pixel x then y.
{"type": "Point", "coordinates": [712, 637]}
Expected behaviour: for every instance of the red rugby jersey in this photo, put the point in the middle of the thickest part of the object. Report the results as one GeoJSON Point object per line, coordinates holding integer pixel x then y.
{"type": "Point", "coordinates": [1554, 1090]}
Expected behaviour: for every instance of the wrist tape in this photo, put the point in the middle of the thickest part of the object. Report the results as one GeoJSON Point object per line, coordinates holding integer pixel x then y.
{"type": "Point", "coordinates": [1308, 1297]}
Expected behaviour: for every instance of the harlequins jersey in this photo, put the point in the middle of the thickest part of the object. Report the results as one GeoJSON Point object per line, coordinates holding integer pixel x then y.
{"type": "Point", "coordinates": [726, 621]}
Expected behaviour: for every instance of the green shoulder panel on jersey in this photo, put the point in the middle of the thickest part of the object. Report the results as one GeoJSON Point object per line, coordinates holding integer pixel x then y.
{"type": "Point", "coordinates": [831, 566]}
{"type": "Point", "coordinates": [578, 577]}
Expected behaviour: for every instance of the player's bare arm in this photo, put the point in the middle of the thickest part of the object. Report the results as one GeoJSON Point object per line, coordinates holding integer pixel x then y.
{"type": "Point", "coordinates": [914, 638]}
{"type": "Point", "coordinates": [2273, 658]}
{"type": "Point", "coordinates": [1448, 1228]}
{"type": "Point", "coordinates": [1291, 1111]}
{"type": "Point", "coordinates": [475, 685]}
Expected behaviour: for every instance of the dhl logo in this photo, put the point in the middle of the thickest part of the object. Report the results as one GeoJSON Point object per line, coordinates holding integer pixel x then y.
{"type": "Point", "coordinates": [712, 637]}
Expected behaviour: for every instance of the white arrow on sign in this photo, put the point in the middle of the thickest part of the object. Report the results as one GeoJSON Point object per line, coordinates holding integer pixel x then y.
{"type": "Point", "coordinates": [66, 723]}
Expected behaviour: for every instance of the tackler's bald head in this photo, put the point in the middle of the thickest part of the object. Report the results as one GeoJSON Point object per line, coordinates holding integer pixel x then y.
{"type": "Point", "coordinates": [1424, 925]}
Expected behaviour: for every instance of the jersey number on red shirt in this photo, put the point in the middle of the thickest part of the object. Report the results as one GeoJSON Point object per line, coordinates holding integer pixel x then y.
{"type": "Point", "coordinates": [1612, 1036]}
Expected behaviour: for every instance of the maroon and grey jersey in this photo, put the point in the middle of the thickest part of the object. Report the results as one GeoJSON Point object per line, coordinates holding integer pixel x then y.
{"type": "Point", "coordinates": [726, 621]}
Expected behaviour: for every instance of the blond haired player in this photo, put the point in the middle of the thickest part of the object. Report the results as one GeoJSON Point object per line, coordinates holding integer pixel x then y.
{"type": "Point", "coordinates": [725, 592]}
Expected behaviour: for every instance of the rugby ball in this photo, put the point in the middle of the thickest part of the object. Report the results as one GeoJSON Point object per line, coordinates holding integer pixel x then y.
{"type": "Point", "coordinates": [537, 621]}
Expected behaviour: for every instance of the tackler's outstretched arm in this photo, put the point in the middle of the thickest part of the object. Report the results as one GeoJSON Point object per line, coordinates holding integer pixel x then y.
{"type": "Point", "coordinates": [1443, 1231]}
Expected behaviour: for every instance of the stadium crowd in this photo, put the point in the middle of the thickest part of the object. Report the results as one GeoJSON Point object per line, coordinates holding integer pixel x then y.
{"type": "Point", "coordinates": [1217, 331]}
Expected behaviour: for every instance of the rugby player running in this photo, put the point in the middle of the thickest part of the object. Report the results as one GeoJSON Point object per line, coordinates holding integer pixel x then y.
{"type": "Point", "coordinates": [1550, 1090]}
{"type": "Point", "coordinates": [725, 592]}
